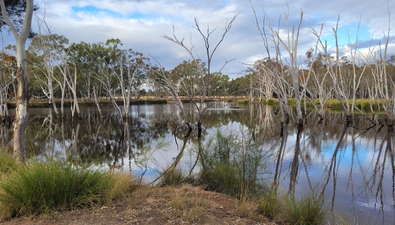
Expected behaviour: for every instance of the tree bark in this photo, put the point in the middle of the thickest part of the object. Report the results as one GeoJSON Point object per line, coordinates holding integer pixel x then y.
{"type": "Point", "coordinates": [22, 96]}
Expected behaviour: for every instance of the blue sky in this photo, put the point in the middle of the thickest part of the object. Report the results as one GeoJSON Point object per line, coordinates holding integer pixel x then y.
{"type": "Point", "coordinates": [139, 24]}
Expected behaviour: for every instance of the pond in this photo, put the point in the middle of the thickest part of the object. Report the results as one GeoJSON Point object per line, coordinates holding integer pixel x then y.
{"type": "Point", "coordinates": [353, 167]}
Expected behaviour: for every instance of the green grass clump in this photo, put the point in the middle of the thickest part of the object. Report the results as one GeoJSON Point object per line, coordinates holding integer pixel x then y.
{"type": "Point", "coordinates": [42, 187]}
{"type": "Point", "coordinates": [284, 208]}
{"type": "Point", "coordinates": [307, 210]}
{"type": "Point", "coordinates": [270, 205]}
{"type": "Point", "coordinates": [243, 101]}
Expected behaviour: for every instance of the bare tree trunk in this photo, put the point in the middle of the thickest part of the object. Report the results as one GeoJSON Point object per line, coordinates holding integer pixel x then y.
{"type": "Point", "coordinates": [73, 88]}
{"type": "Point", "coordinates": [291, 46]}
{"type": "Point", "coordinates": [22, 95]}
{"type": "Point", "coordinates": [97, 103]}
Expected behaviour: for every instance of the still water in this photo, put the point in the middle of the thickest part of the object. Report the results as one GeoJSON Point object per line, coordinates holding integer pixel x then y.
{"type": "Point", "coordinates": [353, 167]}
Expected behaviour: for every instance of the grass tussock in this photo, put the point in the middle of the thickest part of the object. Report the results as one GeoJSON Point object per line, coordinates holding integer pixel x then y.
{"type": "Point", "coordinates": [247, 207]}
{"type": "Point", "coordinates": [41, 187]}
{"type": "Point", "coordinates": [119, 187]}
{"type": "Point", "coordinates": [270, 205]}
{"type": "Point", "coordinates": [307, 210]}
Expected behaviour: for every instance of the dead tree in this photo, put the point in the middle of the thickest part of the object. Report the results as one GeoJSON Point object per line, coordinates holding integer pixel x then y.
{"type": "Point", "coordinates": [205, 78]}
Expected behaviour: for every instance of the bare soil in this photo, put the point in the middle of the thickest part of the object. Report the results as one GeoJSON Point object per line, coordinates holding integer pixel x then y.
{"type": "Point", "coordinates": [148, 205]}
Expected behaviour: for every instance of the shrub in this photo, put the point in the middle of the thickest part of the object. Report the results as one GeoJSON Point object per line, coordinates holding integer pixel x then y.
{"type": "Point", "coordinates": [230, 164]}
{"type": "Point", "coordinates": [223, 178]}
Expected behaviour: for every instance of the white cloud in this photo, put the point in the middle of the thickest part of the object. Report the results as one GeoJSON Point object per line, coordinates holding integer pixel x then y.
{"type": "Point", "coordinates": [139, 24]}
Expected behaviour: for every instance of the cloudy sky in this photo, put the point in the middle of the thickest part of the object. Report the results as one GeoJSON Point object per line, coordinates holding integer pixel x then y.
{"type": "Point", "coordinates": [140, 25]}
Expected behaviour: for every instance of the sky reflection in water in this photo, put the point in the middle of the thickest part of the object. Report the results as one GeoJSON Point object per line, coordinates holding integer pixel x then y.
{"type": "Point", "coordinates": [356, 174]}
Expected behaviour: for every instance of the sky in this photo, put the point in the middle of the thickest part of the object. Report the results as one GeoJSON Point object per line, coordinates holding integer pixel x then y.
{"type": "Point", "coordinates": [141, 24]}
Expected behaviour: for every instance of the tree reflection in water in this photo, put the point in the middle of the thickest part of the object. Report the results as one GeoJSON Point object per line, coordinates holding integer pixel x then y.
{"type": "Point", "coordinates": [352, 167]}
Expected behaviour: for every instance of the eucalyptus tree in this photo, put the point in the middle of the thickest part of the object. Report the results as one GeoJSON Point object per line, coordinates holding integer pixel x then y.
{"type": "Point", "coordinates": [83, 56]}
{"type": "Point", "coordinates": [22, 95]}
{"type": "Point", "coordinates": [45, 52]}
{"type": "Point", "coordinates": [121, 74]}
{"type": "Point", "coordinates": [219, 84]}
{"type": "Point", "coordinates": [187, 79]}
{"type": "Point", "coordinates": [7, 79]}
{"type": "Point", "coordinates": [240, 86]}
{"type": "Point", "coordinates": [88, 60]}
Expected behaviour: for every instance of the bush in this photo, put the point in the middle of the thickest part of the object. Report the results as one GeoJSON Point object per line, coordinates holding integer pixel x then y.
{"type": "Point", "coordinates": [42, 187]}
{"type": "Point", "coordinates": [230, 164]}
{"type": "Point", "coordinates": [224, 178]}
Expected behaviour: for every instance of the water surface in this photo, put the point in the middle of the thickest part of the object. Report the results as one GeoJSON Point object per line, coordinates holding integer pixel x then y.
{"type": "Point", "coordinates": [353, 167]}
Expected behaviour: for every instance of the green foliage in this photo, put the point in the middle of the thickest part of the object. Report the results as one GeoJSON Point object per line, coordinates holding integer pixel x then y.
{"type": "Point", "coordinates": [230, 166]}
{"type": "Point", "coordinates": [243, 101]}
{"type": "Point", "coordinates": [42, 187]}
{"type": "Point", "coordinates": [291, 101]}
{"type": "Point", "coordinates": [270, 102]}
{"type": "Point", "coordinates": [7, 163]}
{"type": "Point", "coordinates": [223, 178]}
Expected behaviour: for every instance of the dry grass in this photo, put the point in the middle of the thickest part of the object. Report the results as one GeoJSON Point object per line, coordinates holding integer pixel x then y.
{"type": "Point", "coordinates": [189, 205]}
{"type": "Point", "coordinates": [246, 208]}
{"type": "Point", "coordinates": [119, 187]}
